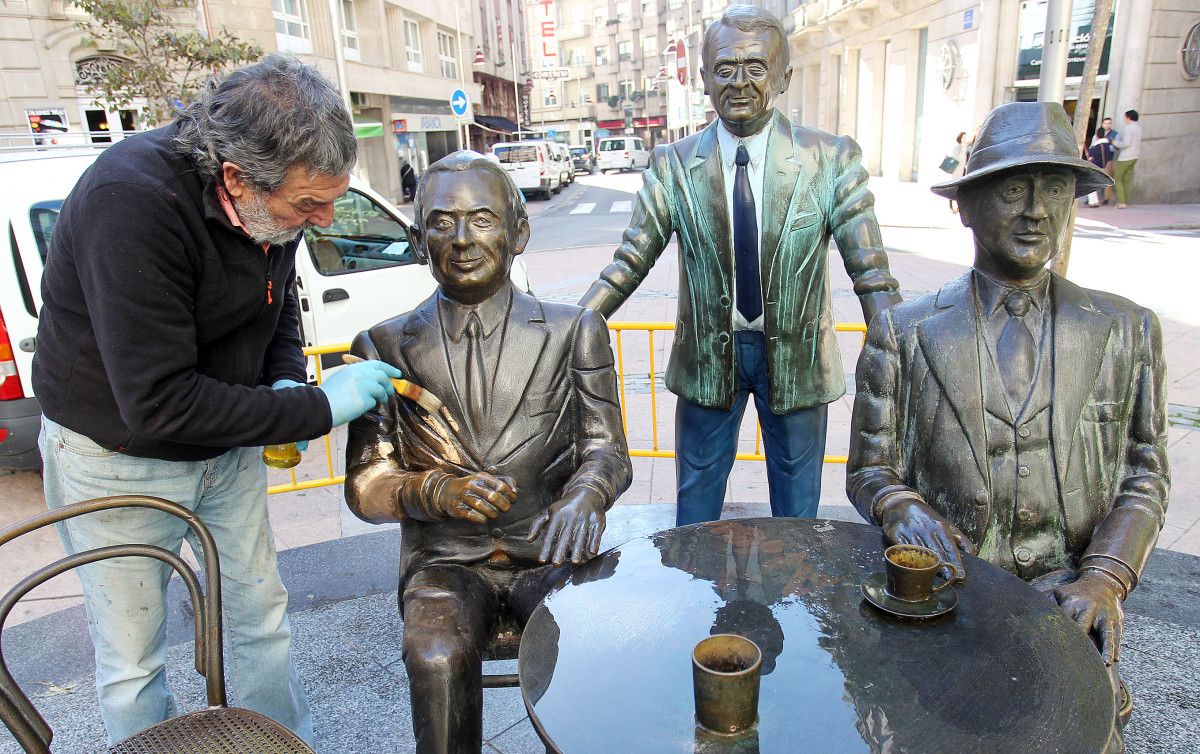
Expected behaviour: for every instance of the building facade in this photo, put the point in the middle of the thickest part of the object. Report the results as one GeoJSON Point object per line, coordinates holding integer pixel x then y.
{"type": "Point", "coordinates": [398, 61]}
{"type": "Point", "coordinates": [905, 77]}
{"type": "Point", "coordinates": [609, 67]}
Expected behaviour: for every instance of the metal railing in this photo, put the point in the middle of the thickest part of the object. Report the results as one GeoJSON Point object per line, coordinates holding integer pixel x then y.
{"type": "Point", "coordinates": [619, 329]}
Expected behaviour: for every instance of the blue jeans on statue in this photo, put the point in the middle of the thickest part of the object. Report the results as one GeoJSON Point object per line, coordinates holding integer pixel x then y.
{"type": "Point", "coordinates": [706, 442]}
{"type": "Point", "coordinates": [125, 598]}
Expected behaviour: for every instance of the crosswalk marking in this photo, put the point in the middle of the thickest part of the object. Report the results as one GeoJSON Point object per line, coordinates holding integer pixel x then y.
{"type": "Point", "coordinates": [626, 206]}
{"type": "Point", "coordinates": [583, 208]}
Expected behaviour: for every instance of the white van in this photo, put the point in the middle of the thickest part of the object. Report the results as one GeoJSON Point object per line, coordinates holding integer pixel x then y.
{"type": "Point", "coordinates": [532, 166]}
{"type": "Point", "coordinates": [357, 272]}
{"type": "Point", "coordinates": [621, 153]}
{"type": "Point", "coordinates": [565, 162]}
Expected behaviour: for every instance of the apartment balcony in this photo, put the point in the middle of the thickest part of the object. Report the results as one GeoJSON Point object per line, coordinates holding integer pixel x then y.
{"type": "Point", "coordinates": [807, 18]}
{"type": "Point", "coordinates": [606, 70]}
{"type": "Point", "coordinates": [574, 31]}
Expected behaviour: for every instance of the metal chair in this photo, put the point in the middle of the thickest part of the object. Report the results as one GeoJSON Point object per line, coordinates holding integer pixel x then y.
{"type": "Point", "coordinates": [504, 644]}
{"type": "Point", "coordinates": [220, 729]}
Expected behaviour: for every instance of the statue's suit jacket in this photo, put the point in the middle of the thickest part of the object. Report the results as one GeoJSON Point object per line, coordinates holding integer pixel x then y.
{"type": "Point", "coordinates": [918, 418]}
{"type": "Point", "coordinates": [814, 187]}
{"type": "Point", "coordinates": [555, 414]}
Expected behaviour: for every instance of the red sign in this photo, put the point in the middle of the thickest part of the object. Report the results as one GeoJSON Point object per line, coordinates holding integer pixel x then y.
{"type": "Point", "coordinates": [399, 125]}
{"type": "Point", "coordinates": [681, 65]}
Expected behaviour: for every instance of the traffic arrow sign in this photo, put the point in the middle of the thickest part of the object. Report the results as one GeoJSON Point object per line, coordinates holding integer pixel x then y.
{"type": "Point", "coordinates": [459, 102]}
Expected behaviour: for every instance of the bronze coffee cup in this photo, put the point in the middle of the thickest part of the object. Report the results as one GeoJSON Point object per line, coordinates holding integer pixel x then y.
{"type": "Point", "coordinates": [911, 570]}
{"type": "Point", "coordinates": [726, 670]}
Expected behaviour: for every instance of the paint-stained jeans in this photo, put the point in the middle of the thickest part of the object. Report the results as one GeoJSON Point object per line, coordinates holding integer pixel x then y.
{"type": "Point", "coordinates": [126, 597]}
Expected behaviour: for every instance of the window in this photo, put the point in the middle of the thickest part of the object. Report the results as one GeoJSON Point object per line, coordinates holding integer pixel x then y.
{"type": "Point", "coordinates": [651, 84]}
{"type": "Point", "coordinates": [291, 25]}
{"type": "Point", "coordinates": [625, 50]}
{"type": "Point", "coordinates": [447, 55]}
{"type": "Point", "coordinates": [602, 55]}
{"type": "Point", "coordinates": [349, 31]}
{"type": "Point", "coordinates": [515, 155]}
{"type": "Point", "coordinates": [600, 15]}
{"type": "Point", "coordinates": [363, 236]}
{"type": "Point", "coordinates": [601, 92]}
{"type": "Point", "coordinates": [650, 46]}
{"type": "Point", "coordinates": [649, 8]}
{"type": "Point", "coordinates": [626, 88]}
{"type": "Point", "coordinates": [550, 97]}
{"type": "Point", "coordinates": [578, 57]}
{"type": "Point", "coordinates": [43, 216]}
{"type": "Point", "coordinates": [624, 10]}
{"type": "Point", "coordinates": [412, 46]}
{"type": "Point", "coordinates": [612, 145]}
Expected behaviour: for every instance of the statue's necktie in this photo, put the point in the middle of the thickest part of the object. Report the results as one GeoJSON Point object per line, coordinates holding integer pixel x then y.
{"type": "Point", "coordinates": [745, 241]}
{"type": "Point", "coordinates": [477, 388]}
{"type": "Point", "coordinates": [1016, 350]}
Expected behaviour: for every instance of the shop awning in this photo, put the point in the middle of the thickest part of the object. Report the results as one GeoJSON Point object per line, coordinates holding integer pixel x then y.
{"type": "Point", "coordinates": [368, 130]}
{"type": "Point", "coordinates": [496, 123]}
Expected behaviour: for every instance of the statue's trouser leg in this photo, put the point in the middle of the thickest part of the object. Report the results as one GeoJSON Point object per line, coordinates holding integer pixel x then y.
{"type": "Point", "coordinates": [448, 614]}
{"type": "Point", "coordinates": [794, 443]}
{"type": "Point", "coordinates": [705, 443]}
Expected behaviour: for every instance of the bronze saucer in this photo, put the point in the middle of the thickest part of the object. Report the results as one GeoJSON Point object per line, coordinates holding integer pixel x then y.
{"type": "Point", "coordinates": [938, 604]}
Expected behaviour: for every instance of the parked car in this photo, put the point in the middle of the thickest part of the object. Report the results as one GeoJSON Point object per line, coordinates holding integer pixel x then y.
{"type": "Point", "coordinates": [349, 276]}
{"type": "Point", "coordinates": [564, 158]}
{"type": "Point", "coordinates": [582, 158]}
{"type": "Point", "coordinates": [622, 153]}
{"type": "Point", "coordinates": [531, 165]}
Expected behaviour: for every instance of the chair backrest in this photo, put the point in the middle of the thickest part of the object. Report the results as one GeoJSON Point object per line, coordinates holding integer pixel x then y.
{"type": "Point", "coordinates": [16, 710]}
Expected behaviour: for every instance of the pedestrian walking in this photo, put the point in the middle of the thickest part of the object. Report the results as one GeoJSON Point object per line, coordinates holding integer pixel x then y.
{"type": "Point", "coordinates": [169, 351]}
{"type": "Point", "coordinates": [1100, 154]}
{"type": "Point", "coordinates": [1129, 142]}
{"type": "Point", "coordinates": [408, 180]}
{"type": "Point", "coordinates": [956, 162]}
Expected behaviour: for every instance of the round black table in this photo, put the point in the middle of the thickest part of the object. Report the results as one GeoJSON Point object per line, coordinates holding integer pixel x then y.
{"type": "Point", "coordinates": [605, 661]}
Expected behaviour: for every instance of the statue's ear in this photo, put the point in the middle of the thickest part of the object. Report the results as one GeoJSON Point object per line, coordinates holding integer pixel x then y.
{"type": "Point", "coordinates": [416, 241]}
{"type": "Point", "coordinates": [522, 237]}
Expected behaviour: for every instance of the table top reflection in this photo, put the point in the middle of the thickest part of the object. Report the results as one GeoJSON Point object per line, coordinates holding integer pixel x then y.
{"type": "Point", "coordinates": [605, 662]}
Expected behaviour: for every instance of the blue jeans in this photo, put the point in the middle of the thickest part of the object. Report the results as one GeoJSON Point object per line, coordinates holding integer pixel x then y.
{"type": "Point", "coordinates": [706, 442]}
{"type": "Point", "coordinates": [126, 597]}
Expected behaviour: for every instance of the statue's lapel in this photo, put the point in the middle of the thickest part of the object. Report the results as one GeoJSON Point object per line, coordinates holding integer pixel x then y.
{"type": "Point", "coordinates": [949, 343]}
{"type": "Point", "coordinates": [425, 352]}
{"type": "Point", "coordinates": [525, 337]}
{"type": "Point", "coordinates": [707, 185]}
{"type": "Point", "coordinates": [1081, 337]}
{"type": "Point", "coordinates": [789, 170]}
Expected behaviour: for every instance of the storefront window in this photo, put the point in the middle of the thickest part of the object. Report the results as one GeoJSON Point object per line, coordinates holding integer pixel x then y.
{"type": "Point", "coordinates": [1033, 27]}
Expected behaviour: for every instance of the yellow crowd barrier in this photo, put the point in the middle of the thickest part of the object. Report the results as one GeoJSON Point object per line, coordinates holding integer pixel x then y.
{"type": "Point", "coordinates": [619, 329]}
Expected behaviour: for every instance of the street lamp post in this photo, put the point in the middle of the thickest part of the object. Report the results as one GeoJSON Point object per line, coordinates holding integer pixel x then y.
{"type": "Point", "coordinates": [1056, 44]}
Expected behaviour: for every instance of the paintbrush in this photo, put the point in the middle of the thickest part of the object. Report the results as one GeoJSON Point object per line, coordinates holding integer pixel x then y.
{"type": "Point", "coordinates": [413, 392]}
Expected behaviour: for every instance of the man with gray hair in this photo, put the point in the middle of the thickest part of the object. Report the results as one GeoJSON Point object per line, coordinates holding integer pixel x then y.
{"type": "Point", "coordinates": [753, 200]}
{"type": "Point", "coordinates": [169, 351]}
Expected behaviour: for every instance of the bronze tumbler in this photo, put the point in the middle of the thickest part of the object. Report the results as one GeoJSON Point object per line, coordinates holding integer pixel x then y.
{"type": "Point", "coordinates": [726, 670]}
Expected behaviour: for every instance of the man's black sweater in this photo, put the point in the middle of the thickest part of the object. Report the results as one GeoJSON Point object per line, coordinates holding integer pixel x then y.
{"type": "Point", "coordinates": [162, 325]}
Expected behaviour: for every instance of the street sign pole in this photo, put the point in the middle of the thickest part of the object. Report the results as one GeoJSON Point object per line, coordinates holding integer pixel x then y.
{"type": "Point", "coordinates": [1056, 45]}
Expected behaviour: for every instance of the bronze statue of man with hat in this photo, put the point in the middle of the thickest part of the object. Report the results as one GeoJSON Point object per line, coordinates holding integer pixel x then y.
{"type": "Point", "coordinates": [1014, 414]}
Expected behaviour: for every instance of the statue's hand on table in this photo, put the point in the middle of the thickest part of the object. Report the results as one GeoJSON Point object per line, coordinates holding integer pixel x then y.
{"type": "Point", "coordinates": [907, 519]}
{"type": "Point", "coordinates": [476, 497]}
{"type": "Point", "coordinates": [571, 527]}
{"type": "Point", "coordinates": [1094, 602]}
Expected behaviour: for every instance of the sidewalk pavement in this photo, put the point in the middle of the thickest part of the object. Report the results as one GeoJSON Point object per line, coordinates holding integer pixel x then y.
{"type": "Point", "coordinates": [347, 640]}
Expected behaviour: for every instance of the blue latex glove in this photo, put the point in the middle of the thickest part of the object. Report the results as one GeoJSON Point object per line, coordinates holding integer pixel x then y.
{"type": "Point", "coordinates": [354, 389]}
{"type": "Point", "coordinates": [301, 445]}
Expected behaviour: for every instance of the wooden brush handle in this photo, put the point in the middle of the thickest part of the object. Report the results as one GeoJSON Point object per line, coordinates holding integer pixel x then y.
{"type": "Point", "coordinates": [399, 384]}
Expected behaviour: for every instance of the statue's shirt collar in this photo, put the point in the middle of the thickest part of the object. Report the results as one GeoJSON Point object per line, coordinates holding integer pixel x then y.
{"type": "Point", "coordinates": [491, 312]}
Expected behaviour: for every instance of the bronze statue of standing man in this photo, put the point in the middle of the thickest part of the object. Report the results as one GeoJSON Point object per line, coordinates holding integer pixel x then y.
{"type": "Point", "coordinates": [753, 200]}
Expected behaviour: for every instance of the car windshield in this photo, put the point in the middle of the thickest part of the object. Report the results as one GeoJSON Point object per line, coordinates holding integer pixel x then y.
{"type": "Point", "coordinates": [612, 146]}
{"type": "Point", "coordinates": [509, 155]}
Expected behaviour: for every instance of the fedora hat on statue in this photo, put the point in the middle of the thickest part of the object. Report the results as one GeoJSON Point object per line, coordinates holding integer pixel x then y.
{"type": "Point", "coordinates": [1026, 134]}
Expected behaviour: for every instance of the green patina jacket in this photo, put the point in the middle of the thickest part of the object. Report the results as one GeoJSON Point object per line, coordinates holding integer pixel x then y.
{"type": "Point", "coordinates": [815, 188]}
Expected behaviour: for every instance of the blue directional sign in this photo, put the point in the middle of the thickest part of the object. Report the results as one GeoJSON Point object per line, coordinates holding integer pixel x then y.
{"type": "Point", "coordinates": [459, 102]}
{"type": "Point", "coordinates": [551, 134]}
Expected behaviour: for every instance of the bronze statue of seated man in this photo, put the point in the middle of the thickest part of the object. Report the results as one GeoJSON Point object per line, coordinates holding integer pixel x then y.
{"type": "Point", "coordinates": [514, 475]}
{"type": "Point", "coordinates": [1014, 413]}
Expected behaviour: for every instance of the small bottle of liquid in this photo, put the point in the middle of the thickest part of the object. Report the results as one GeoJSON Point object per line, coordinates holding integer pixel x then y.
{"type": "Point", "coordinates": [283, 456]}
